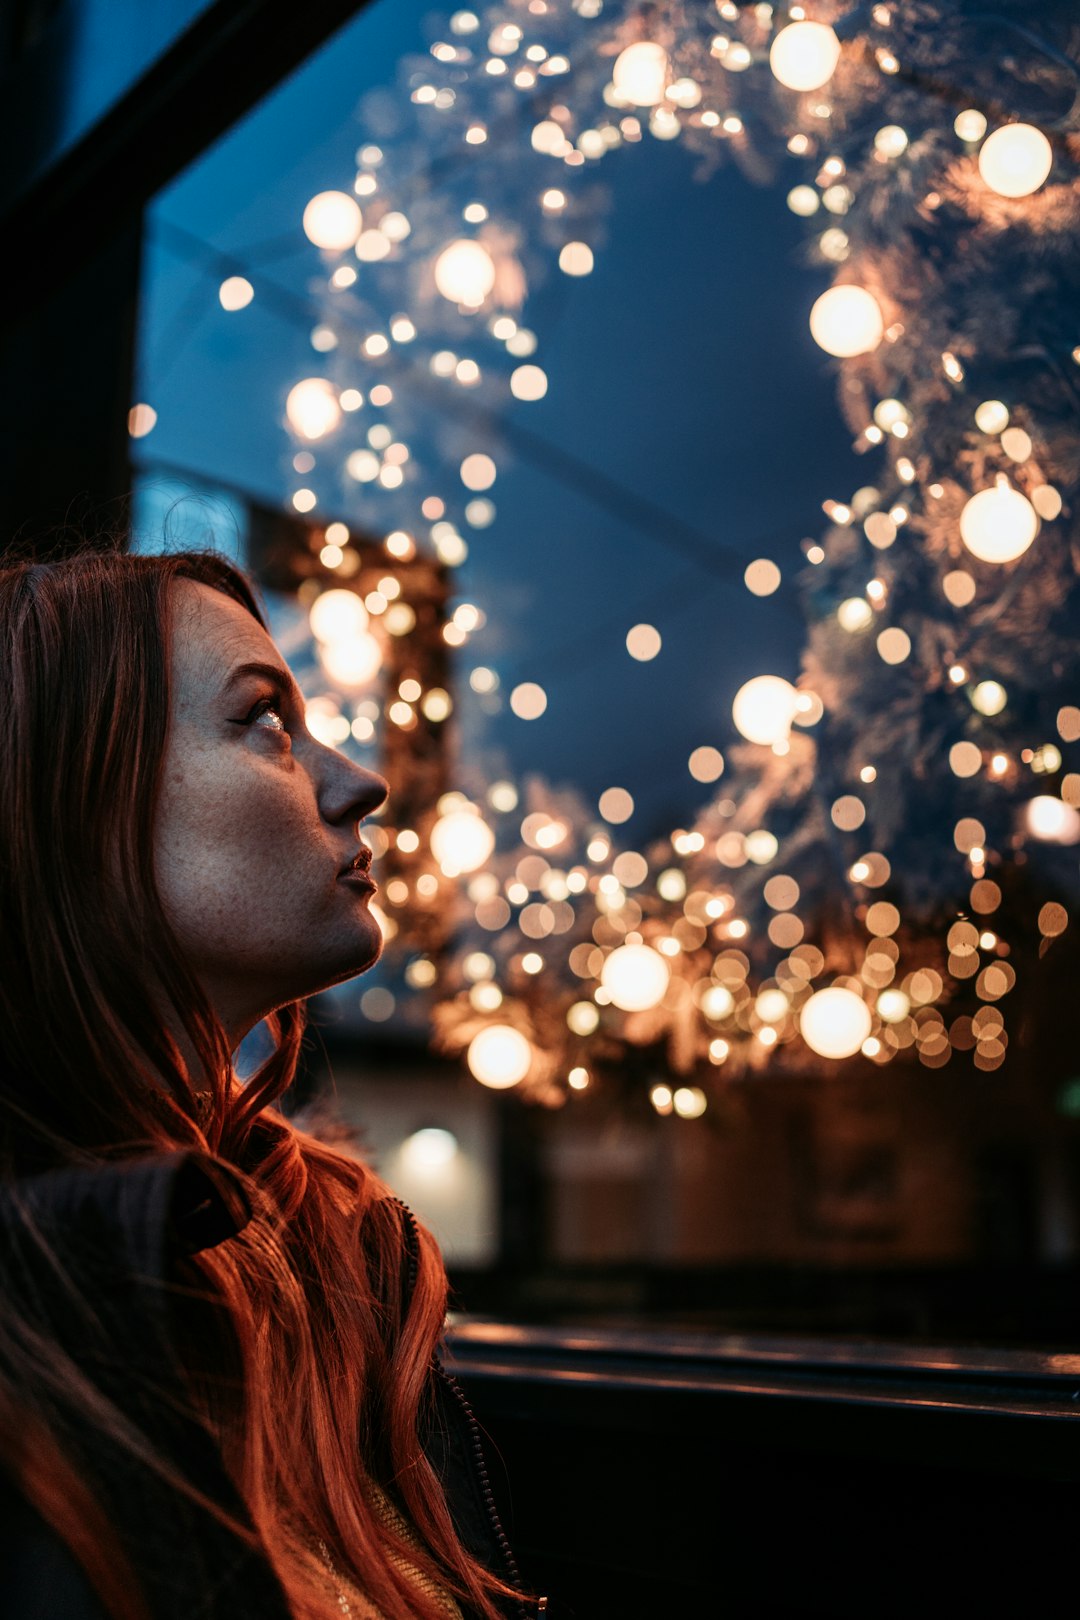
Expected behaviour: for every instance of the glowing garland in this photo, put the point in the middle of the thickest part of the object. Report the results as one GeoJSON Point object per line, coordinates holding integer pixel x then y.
{"type": "Point", "coordinates": [661, 952]}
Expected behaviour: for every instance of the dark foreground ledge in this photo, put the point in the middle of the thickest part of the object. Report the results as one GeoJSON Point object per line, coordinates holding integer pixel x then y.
{"type": "Point", "coordinates": [656, 1474]}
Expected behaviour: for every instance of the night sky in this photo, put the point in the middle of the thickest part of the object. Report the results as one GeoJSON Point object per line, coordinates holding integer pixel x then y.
{"type": "Point", "coordinates": [682, 371]}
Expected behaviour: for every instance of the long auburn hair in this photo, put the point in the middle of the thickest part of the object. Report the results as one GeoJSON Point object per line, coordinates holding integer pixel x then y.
{"type": "Point", "coordinates": [316, 1385]}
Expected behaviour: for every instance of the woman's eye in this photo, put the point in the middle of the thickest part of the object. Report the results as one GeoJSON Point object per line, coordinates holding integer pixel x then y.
{"type": "Point", "coordinates": [268, 711]}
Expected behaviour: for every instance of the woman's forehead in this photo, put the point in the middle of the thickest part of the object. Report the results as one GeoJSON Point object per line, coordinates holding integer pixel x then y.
{"type": "Point", "coordinates": [213, 632]}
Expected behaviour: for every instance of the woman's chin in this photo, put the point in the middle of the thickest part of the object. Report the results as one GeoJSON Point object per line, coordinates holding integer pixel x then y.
{"type": "Point", "coordinates": [363, 957]}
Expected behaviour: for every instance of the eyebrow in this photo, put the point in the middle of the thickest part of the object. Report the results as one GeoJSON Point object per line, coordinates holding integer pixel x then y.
{"type": "Point", "coordinates": [281, 678]}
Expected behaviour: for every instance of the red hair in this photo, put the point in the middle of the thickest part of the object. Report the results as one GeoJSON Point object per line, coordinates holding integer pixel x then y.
{"type": "Point", "coordinates": [303, 1356]}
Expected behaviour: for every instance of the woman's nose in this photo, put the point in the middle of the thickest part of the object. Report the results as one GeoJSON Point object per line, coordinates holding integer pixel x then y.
{"type": "Point", "coordinates": [349, 791]}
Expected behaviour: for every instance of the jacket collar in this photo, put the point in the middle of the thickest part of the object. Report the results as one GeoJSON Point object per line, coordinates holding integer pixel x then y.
{"type": "Point", "coordinates": [151, 1209]}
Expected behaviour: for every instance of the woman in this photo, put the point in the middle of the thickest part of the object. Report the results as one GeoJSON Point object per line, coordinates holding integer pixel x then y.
{"type": "Point", "coordinates": [219, 1385]}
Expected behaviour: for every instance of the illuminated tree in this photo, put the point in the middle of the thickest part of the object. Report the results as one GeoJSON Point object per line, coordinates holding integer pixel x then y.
{"type": "Point", "coordinates": [899, 827]}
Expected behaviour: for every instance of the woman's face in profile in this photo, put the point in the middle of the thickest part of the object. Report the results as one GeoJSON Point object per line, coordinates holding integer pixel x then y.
{"type": "Point", "coordinates": [257, 822]}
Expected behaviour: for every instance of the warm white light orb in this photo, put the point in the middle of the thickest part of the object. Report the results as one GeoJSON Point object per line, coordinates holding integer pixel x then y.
{"type": "Point", "coordinates": [893, 1006]}
{"type": "Point", "coordinates": [998, 524]}
{"type": "Point", "coordinates": [965, 759]}
{"type": "Point", "coordinates": [992, 416]}
{"type": "Point", "coordinates": [834, 1022]}
{"type": "Point", "coordinates": [352, 663]}
{"type": "Point", "coordinates": [547, 136]}
{"type": "Point", "coordinates": [461, 842]}
{"type": "Point", "coordinates": [336, 615]}
{"type": "Point", "coordinates": [854, 613]}
{"type": "Point", "coordinates": [478, 471]}
{"type": "Point", "coordinates": [684, 93]}
{"type": "Point", "coordinates": [576, 259]}
{"type": "Point", "coordinates": [804, 201]}
{"type": "Point", "coordinates": [989, 697]}
{"type": "Point", "coordinates": [528, 382]}
{"type": "Point", "coordinates": [1015, 160]}
{"type": "Point", "coordinates": [803, 56]}
{"type": "Point", "coordinates": [141, 420]}
{"type": "Point", "coordinates": [717, 1002]}
{"type": "Point", "coordinates": [1052, 820]}
{"type": "Point", "coordinates": [332, 221]}
{"type": "Point", "coordinates": [640, 74]}
{"type": "Point", "coordinates": [970, 124]}
{"type": "Point", "coordinates": [846, 321]}
{"type": "Point", "coordinates": [312, 408]}
{"type": "Point", "coordinates": [528, 700]}
{"type": "Point", "coordinates": [465, 273]}
{"type": "Point", "coordinates": [760, 846]}
{"type": "Point", "coordinates": [890, 413]}
{"type": "Point", "coordinates": [235, 292]}
{"type": "Point", "coordinates": [891, 141]}
{"type": "Point", "coordinates": [893, 645]}
{"type": "Point", "coordinates": [772, 1005]}
{"type": "Point", "coordinates": [635, 977]}
{"type": "Point", "coordinates": [499, 1056]}
{"type": "Point", "coordinates": [764, 709]}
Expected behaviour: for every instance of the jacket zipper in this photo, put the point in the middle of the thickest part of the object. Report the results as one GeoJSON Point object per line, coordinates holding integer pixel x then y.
{"type": "Point", "coordinates": [488, 1494]}
{"type": "Point", "coordinates": [412, 1249]}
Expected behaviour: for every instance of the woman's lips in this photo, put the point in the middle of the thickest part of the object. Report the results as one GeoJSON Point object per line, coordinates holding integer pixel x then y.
{"type": "Point", "coordinates": [360, 878]}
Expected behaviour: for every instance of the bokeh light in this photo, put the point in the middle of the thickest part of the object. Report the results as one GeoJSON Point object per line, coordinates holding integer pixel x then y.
{"type": "Point", "coordinates": [332, 220]}
{"type": "Point", "coordinates": [499, 1056]}
{"type": "Point", "coordinates": [834, 1022]}
{"type": "Point", "coordinates": [465, 273]}
{"type": "Point", "coordinates": [1015, 160]}
{"type": "Point", "coordinates": [635, 977]}
{"type": "Point", "coordinates": [803, 56]}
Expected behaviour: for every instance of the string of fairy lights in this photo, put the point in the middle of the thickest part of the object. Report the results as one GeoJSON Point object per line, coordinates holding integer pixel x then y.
{"type": "Point", "coordinates": [567, 956]}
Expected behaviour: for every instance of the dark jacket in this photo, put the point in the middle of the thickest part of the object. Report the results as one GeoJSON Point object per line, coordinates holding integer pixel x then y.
{"type": "Point", "coordinates": [121, 1230]}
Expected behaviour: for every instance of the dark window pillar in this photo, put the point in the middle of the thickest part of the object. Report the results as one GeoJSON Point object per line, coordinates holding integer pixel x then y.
{"type": "Point", "coordinates": [66, 382]}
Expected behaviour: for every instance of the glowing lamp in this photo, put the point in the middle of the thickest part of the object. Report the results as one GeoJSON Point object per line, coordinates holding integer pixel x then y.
{"type": "Point", "coordinates": [834, 1022]}
{"type": "Point", "coordinates": [461, 842]}
{"type": "Point", "coordinates": [998, 524]}
{"type": "Point", "coordinates": [499, 1056]}
{"type": "Point", "coordinates": [312, 408]}
{"type": "Point", "coordinates": [465, 273]}
{"type": "Point", "coordinates": [332, 221]}
{"type": "Point", "coordinates": [640, 74]}
{"type": "Point", "coordinates": [803, 56]}
{"type": "Point", "coordinates": [336, 615]}
{"type": "Point", "coordinates": [847, 320]}
{"type": "Point", "coordinates": [1052, 820]}
{"type": "Point", "coordinates": [764, 709]}
{"type": "Point", "coordinates": [353, 662]}
{"type": "Point", "coordinates": [1015, 160]}
{"type": "Point", "coordinates": [635, 977]}
{"type": "Point", "coordinates": [432, 1147]}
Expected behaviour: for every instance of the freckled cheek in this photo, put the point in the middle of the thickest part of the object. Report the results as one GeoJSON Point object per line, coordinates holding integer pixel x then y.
{"type": "Point", "coordinates": [265, 837]}
{"type": "Point", "coordinates": [231, 835]}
